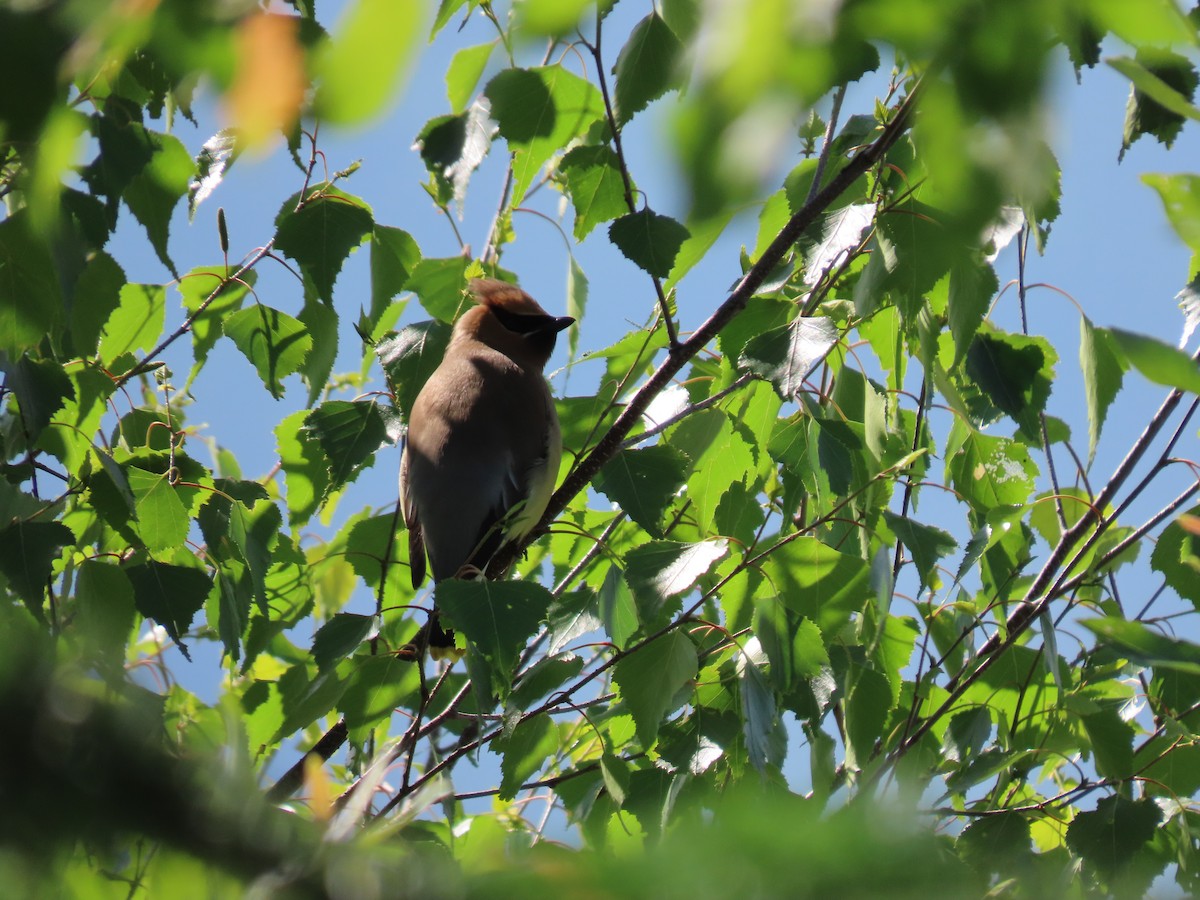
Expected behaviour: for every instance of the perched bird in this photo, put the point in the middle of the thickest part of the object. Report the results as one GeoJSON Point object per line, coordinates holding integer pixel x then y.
{"type": "Point", "coordinates": [483, 445]}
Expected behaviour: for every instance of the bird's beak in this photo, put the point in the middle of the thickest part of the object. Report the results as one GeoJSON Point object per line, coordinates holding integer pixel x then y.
{"type": "Point", "coordinates": [561, 323]}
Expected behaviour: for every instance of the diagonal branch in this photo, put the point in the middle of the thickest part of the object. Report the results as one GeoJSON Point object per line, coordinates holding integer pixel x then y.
{"type": "Point", "coordinates": [610, 444]}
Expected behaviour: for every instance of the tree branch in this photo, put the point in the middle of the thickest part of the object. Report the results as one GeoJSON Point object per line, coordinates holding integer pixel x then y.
{"type": "Point", "coordinates": [608, 446]}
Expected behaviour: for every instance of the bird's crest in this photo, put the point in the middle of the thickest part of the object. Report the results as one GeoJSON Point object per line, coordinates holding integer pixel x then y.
{"type": "Point", "coordinates": [501, 295]}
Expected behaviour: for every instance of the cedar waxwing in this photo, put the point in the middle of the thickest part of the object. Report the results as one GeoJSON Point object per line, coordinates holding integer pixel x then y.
{"type": "Point", "coordinates": [483, 445]}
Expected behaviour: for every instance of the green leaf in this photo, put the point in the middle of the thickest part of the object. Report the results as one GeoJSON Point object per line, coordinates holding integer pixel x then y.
{"type": "Point", "coordinates": [652, 679]}
{"type": "Point", "coordinates": [818, 582]}
{"type": "Point", "coordinates": [649, 240]}
{"type": "Point", "coordinates": [1103, 372]}
{"type": "Point", "coordinates": [761, 315]}
{"type": "Point", "coordinates": [195, 288]}
{"type": "Point", "coordinates": [793, 644]}
{"type": "Point", "coordinates": [1015, 373]}
{"type": "Point", "coordinates": [376, 688]}
{"type": "Point", "coordinates": [170, 595]}
{"type": "Point", "coordinates": [524, 752]}
{"type": "Point", "coordinates": [643, 482]}
{"type": "Point", "coordinates": [394, 256]}
{"type": "Point", "coordinates": [539, 111]}
{"type": "Point", "coordinates": [1158, 361]}
{"type": "Point", "coordinates": [570, 617]}
{"type": "Point", "coordinates": [409, 357]}
{"type": "Point", "coordinates": [616, 775]}
{"type": "Point", "coordinates": [784, 356]}
{"type": "Point", "coordinates": [916, 249]}
{"type": "Point", "coordinates": [577, 297]}
{"type": "Point", "coordinates": [445, 11]}
{"type": "Point", "coordinates": [97, 295]}
{"type": "Point", "coordinates": [1114, 832]}
{"type": "Point", "coordinates": [552, 18]}
{"type": "Point", "coordinates": [137, 322]}
{"type": "Point", "coordinates": [1173, 559]}
{"type": "Point", "coordinates": [41, 388]}
{"type": "Point", "coordinates": [496, 617]}
{"type": "Point", "coordinates": [463, 74]}
{"type": "Point", "coordinates": [305, 700]}
{"type": "Point", "coordinates": [440, 285]}
{"type": "Point", "coordinates": [841, 233]}
{"type": "Point", "coordinates": [967, 734]}
{"type": "Point", "coordinates": [216, 156]}
{"type": "Point", "coordinates": [1112, 743]}
{"type": "Point", "coordinates": [305, 467]}
{"type": "Point", "coordinates": [321, 324]}
{"type": "Point", "coordinates": [721, 456]}
{"type": "Point", "coordinates": [868, 702]}
{"type": "Point", "coordinates": [593, 178]}
{"type": "Point", "coordinates": [1180, 195]}
{"type": "Point", "coordinates": [30, 294]}
{"type": "Point", "coordinates": [1141, 644]}
{"type": "Point", "coordinates": [647, 67]}
{"type": "Point", "coordinates": [104, 599]}
{"type": "Point", "coordinates": [546, 675]}
{"type": "Point", "coordinates": [338, 638]}
{"type": "Point", "coordinates": [926, 544]}
{"type": "Point", "coordinates": [275, 343]}
{"type": "Point", "coordinates": [973, 284]}
{"type": "Point", "coordinates": [154, 192]}
{"type": "Point", "coordinates": [766, 740]}
{"type": "Point", "coordinates": [990, 472]}
{"type": "Point", "coordinates": [452, 148]}
{"type": "Point", "coordinates": [1000, 843]}
{"type": "Point", "coordinates": [359, 69]}
{"type": "Point", "coordinates": [162, 519]}
{"type": "Point", "coordinates": [617, 610]}
{"type": "Point", "coordinates": [349, 432]}
{"type": "Point", "coordinates": [232, 611]}
{"type": "Point", "coordinates": [660, 570]}
{"type": "Point", "coordinates": [254, 528]}
{"type": "Point", "coordinates": [1163, 83]}
{"type": "Point", "coordinates": [28, 551]}
{"type": "Point", "coordinates": [322, 233]}
{"type": "Point", "coordinates": [702, 235]}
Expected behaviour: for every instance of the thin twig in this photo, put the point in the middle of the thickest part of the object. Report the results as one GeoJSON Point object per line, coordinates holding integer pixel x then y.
{"type": "Point", "coordinates": [823, 158]}
{"type": "Point", "coordinates": [699, 406]}
{"type": "Point", "coordinates": [630, 203]}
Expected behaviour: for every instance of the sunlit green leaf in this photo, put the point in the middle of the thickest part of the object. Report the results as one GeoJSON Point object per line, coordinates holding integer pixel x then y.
{"type": "Point", "coordinates": [275, 343]}
{"type": "Point", "coordinates": [660, 570]}
{"type": "Point", "coordinates": [524, 752]}
{"type": "Point", "coordinates": [350, 433]}
{"type": "Point", "coordinates": [1158, 361]}
{"type": "Point", "coordinates": [1103, 373]}
{"type": "Point", "coordinates": [338, 638]}
{"type": "Point", "coordinates": [538, 111]}
{"type": "Point", "coordinates": [593, 179]}
{"type": "Point", "coordinates": [463, 74]}
{"type": "Point", "coordinates": [137, 323]}
{"type": "Point", "coordinates": [652, 678]}
{"type": "Point", "coordinates": [326, 228]}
